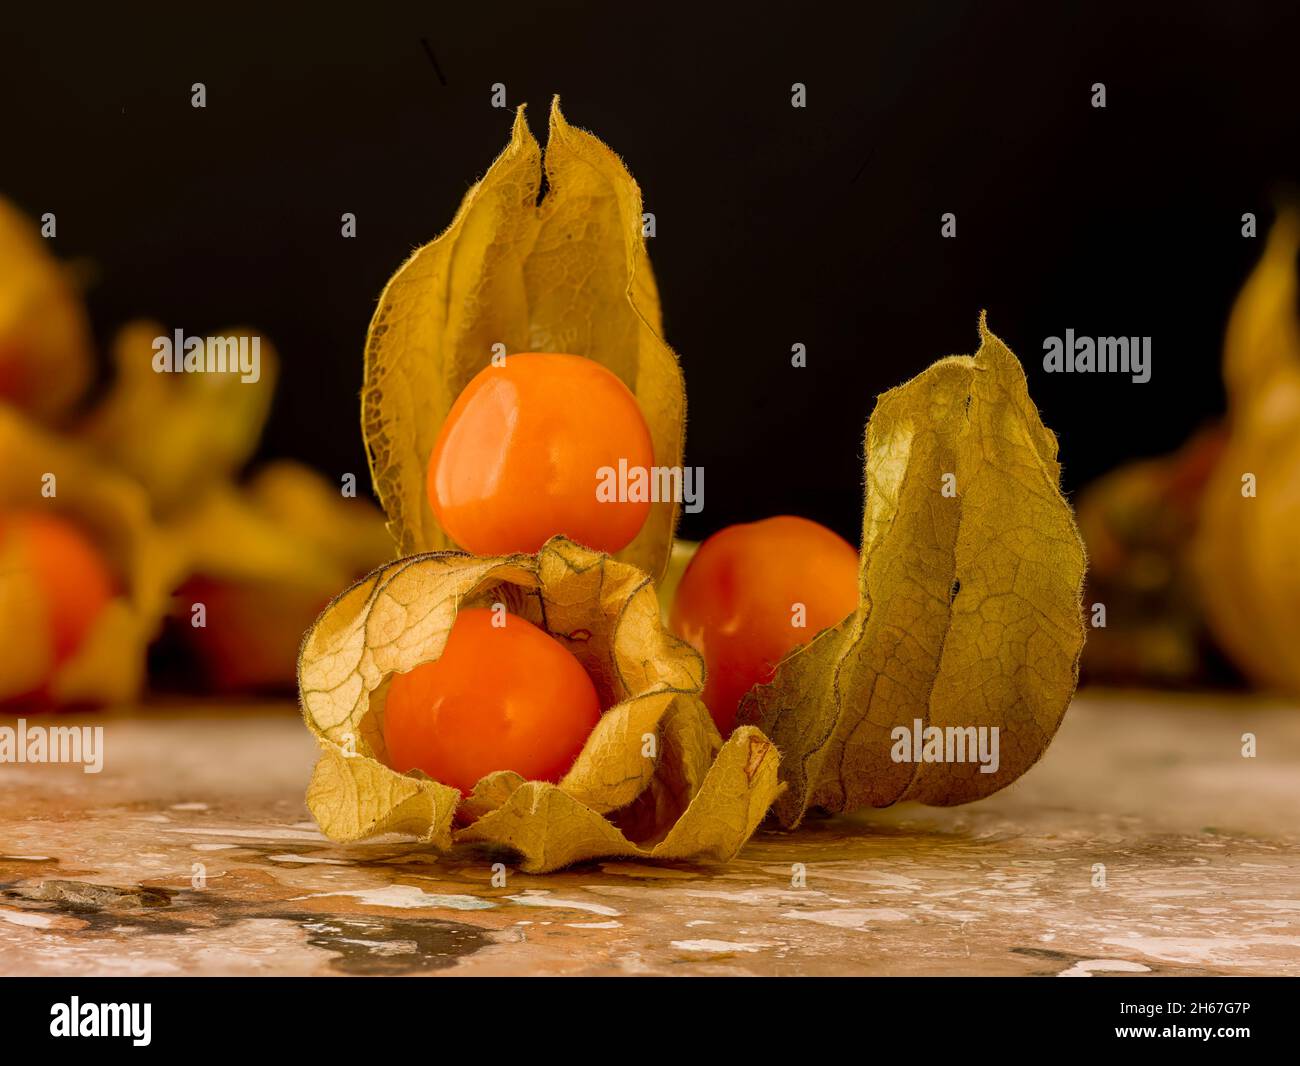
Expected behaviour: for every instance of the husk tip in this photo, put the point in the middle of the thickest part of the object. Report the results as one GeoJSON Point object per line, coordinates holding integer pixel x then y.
{"type": "Point", "coordinates": [558, 123]}
{"type": "Point", "coordinates": [519, 128]}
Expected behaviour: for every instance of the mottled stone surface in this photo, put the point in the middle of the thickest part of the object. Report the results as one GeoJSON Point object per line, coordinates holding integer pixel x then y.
{"type": "Point", "coordinates": [192, 853]}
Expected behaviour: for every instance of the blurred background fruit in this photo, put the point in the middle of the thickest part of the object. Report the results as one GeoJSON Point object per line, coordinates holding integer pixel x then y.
{"type": "Point", "coordinates": [1247, 544]}
{"type": "Point", "coordinates": [54, 586]}
{"type": "Point", "coordinates": [133, 508]}
{"type": "Point", "coordinates": [1138, 523]}
{"type": "Point", "coordinates": [1196, 555]}
{"type": "Point", "coordinates": [264, 561]}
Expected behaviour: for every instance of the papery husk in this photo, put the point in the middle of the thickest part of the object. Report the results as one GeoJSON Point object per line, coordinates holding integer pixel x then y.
{"type": "Point", "coordinates": [694, 798]}
{"type": "Point", "coordinates": [46, 353]}
{"type": "Point", "coordinates": [570, 274]}
{"type": "Point", "coordinates": [179, 434]}
{"type": "Point", "coordinates": [1247, 549]}
{"type": "Point", "coordinates": [970, 608]}
{"type": "Point", "coordinates": [113, 511]}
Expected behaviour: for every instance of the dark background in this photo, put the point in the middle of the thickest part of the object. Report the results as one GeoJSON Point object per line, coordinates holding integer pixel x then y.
{"type": "Point", "coordinates": [775, 225]}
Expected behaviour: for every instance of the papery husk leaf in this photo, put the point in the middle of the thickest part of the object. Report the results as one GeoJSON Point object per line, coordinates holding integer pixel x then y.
{"type": "Point", "coordinates": [114, 512]}
{"type": "Point", "coordinates": [389, 622]}
{"type": "Point", "coordinates": [688, 742]}
{"type": "Point", "coordinates": [179, 434]}
{"type": "Point", "coordinates": [570, 274]}
{"type": "Point", "coordinates": [490, 793]}
{"type": "Point", "coordinates": [359, 798]}
{"type": "Point", "coordinates": [46, 353]}
{"type": "Point", "coordinates": [611, 772]}
{"type": "Point", "coordinates": [1247, 549]}
{"type": "Point", "coordinates": [970, 612]}
{"type": "Point", "coordinates": [551, 829]}
{"type": "Point", "coordinates": [654, 766]}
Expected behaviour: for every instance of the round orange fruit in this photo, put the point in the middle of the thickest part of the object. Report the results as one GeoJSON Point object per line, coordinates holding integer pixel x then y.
{"type": "Point", "coordinates": [501, 697]}
{"type": "Point", "coordinates": [754, 592]}
{"type": "Point", "coordinates": [523, 450]}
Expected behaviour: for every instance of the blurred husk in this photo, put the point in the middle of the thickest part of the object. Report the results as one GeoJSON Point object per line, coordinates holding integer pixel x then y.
{"type": "Point", "coordinates": [1247, 546]}
{"type": "Point", "coordinates": [46, 353]}
{"type": "Point", "coordinates": [1196, 555]}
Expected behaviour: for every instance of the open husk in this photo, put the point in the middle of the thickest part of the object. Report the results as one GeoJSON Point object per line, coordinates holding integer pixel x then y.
{"type": "Point", "coordinates": [970, 586]}
{"type": "Point", "coordinates": [654, 780]}
{"type": "Point", "coordinates": [568, 274]}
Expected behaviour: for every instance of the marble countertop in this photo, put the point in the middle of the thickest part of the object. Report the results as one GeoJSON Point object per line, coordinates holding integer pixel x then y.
{"type": "Point", "coordinates": [1143, 843]}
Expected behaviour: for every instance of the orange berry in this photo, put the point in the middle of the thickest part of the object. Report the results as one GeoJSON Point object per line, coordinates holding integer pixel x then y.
{"type": "Point", "coordinates": [61, 584]}
{"type": "Point", "coordinates": [501, 697]}
{"type": "Point", "coordinates": [519, 458]}
{"type": "Point", "coordinates": [737, 602]}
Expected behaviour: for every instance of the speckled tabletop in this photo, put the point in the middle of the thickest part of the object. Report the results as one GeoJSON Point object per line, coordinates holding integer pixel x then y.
{"type": "Point", "coordinates": [1144, 843]}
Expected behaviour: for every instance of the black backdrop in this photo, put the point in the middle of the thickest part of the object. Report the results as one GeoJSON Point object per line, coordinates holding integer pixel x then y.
{"type": "Point", "coordinates": [775, 225]}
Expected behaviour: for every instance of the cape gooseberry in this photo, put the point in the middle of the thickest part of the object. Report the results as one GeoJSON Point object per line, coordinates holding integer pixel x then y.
{"type": "Point", "coordinates": [504, 695]}
{"type": "Point", "coordinates": [58, 584]}
{"type": "Point", "coordinates": [523, 450]}
{"type": "Point", "coordinates": [754, 592]}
